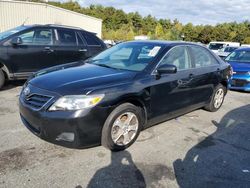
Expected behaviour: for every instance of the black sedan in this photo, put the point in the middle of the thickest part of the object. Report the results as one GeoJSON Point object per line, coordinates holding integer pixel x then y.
{"type": "Point", "coordinates": [111, 97]}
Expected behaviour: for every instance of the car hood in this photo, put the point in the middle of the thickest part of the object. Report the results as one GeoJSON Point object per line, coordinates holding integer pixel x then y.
{"type": "Point", "coordinates": [79, 78]}
{"type": "Point", "coordinates": [239, 66]}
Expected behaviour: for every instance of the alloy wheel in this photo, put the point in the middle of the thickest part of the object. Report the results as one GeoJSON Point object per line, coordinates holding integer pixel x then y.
{"type": "Point", "coordinates": [218, 98]}
{"type": "Point", "coordinates": [124, 128]}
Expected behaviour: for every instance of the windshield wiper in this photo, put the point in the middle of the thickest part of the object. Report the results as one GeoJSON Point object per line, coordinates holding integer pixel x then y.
{"type": "Point", "coordinates": [103, 65]}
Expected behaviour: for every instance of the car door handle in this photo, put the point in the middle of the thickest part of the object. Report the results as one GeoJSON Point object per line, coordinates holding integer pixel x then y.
{"type": "Point", "coordinates": [185, 82]}
{"type": "Point", "coordinates": [48, 49]}
{"type": "Point", "coordinates": [83, 50]}
{"type": "Point", "coordinates": [182, 83]}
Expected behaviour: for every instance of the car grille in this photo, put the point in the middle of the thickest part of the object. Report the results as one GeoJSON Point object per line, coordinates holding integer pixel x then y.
{"type": "Point", "coordinates": [37, 101]}
{"type": "Point", "coordinates": [239, 83]}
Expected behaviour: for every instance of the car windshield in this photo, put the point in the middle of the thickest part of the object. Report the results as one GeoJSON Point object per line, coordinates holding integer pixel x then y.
{"type": "Point", "coordinates": [215, 46]}
{"type": "Point", "coordinates": [239, 56]}
{"type": "Point", "coordinates": [7, 33]}
{"type": "Point", "coordinates": [229, 49]}
{"type": "Point", "coordinates": [128, 56]}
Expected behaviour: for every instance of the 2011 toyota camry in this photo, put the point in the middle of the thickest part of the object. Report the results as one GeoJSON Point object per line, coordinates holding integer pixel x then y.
{"type": "Point", "coordinates": [111, 97]}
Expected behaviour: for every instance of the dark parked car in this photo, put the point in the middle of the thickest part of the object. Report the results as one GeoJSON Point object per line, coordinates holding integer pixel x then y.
{"type": "Point", "coordinates": [27, 49]}
{"type": "Point", "coordinates": [111, 97]}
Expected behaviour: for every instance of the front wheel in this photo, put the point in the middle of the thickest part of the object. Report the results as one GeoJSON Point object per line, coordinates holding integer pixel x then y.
{"type": "Point", "coordinates": [122, 127]}
{"type": "Point", "coordinates": [217, 99]}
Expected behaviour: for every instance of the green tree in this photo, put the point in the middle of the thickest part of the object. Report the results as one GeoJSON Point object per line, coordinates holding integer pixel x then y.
{"type": "Point", "coordinates": [246, 40]}
{"type": "Point", "coordinates": [159, 33]}
{"type": "Point", "coordinates": [122, 26]}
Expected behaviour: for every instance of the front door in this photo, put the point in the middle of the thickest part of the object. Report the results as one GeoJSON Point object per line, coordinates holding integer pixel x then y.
{"type": "Point", "coordinates": [172, 94]}
{"type": "Point", "coordinates": [35, 52]}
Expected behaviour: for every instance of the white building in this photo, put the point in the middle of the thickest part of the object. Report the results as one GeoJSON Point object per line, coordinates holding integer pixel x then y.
{"type": "Point", "coordinates": [141, 37]}
{"type": "Point", "coordinates": [15, 13]}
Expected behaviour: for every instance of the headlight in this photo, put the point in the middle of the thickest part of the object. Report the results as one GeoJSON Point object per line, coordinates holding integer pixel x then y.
{"type": "Point", "coordinates": [76, 102]}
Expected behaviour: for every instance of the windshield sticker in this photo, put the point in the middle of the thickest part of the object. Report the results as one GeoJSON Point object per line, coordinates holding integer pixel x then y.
{"type": "Point", "coordinates": [154, 51]}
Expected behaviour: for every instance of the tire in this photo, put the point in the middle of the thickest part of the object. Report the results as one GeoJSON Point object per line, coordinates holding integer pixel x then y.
{"type": "Point", "coordinates": [125, 110]}
{"type": "Point", "coordinates": [214, 105]}
{"type": "Point", "coordinates": [2, 79]}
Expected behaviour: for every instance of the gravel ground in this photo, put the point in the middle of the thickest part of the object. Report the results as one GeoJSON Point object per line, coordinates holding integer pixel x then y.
{"type": "Point", "coordinates": [199, 149]}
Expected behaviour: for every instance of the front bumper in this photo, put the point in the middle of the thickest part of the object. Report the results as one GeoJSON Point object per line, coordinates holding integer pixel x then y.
{"type": "Point", "coordinates": [73, 129]}
{"type": "Point", "coordinates": [240, 82]}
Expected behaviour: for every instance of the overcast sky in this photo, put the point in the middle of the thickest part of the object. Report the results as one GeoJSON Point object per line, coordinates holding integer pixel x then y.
{"type": "Point", "coordinates": [194, 11]}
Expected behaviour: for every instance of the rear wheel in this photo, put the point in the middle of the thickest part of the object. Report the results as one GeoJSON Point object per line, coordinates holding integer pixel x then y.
{"type": "Point", "coordinates": [217, 99]}
{"type": "Point", "coordinates": [2, 78]}
{"type": "Point", "coordinates": [122, 127]}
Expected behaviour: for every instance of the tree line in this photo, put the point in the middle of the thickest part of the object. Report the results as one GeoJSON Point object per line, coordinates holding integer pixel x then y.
{"type": "Point", "coordinates": [118, 25]}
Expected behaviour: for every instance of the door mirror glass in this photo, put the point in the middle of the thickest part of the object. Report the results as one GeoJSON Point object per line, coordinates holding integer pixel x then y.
{"type": "Point", "coordinates": [167, 69]}
{"type": "Point", "coordinates": [16, 41]}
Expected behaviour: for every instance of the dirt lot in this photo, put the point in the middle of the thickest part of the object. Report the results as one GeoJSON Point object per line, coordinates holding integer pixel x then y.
{"type": "Point", "coordinates": [199, 149]}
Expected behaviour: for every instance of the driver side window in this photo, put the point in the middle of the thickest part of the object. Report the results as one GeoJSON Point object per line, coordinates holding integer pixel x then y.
{"type": "Point", "coordinates": [27, 38]}
{"type": "Point", "coordinates": [178, 56]}
{"type": "Point", "coordinates": [37, 37]}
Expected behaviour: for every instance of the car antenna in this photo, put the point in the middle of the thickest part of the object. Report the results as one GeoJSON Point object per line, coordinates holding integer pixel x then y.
{"type": "Point", "coordinates": [25, 21]}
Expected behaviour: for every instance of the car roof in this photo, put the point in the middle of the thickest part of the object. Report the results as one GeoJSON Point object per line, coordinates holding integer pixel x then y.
{"type": "Point", "coordinates": [165, 42]}
{"type": "Point", "coordinates": [243, 48]}
{"type": "Point", "coordinates": [55, 26]}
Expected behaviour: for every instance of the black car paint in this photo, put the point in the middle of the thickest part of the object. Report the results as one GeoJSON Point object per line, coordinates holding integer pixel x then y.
{"type": "Point", "coordinates": [161, 97]}
{"type": "Point", "coordinates": [20, 61]}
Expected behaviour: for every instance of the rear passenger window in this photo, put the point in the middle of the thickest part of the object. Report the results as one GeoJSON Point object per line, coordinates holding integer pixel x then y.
{"type": "Point", "coordinates": [202, 57]}
{"type": "Point", "coordinates": [67, 37]}
{"type": "Point", "coordinates": [91, 39]}
{"type": "Point", "coordinates": [179, 57]}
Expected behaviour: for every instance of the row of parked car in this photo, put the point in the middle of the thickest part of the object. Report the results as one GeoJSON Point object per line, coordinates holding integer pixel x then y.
{"type": "Point", "coordinates": [238, 56]}
{"type": "Point", "coordinates": [91, 95]}
{"type": "Point", "coordinates": [27, 49]}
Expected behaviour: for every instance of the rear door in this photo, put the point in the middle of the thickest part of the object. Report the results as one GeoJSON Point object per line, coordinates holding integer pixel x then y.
{"type": "Point", "coordinates": [82, 47]}
{"type": "Point", "coordinates": [34, 53]}
{"type": "Point", "coordinates": [95, 45]}
{"type": "Point", "coordinates": [205, 74]}
{"type": "Point", "coordinates": [66, 46]}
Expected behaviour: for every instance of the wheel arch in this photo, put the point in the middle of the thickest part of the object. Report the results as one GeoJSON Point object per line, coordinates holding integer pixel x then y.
{"type": "Point", "coordinates": [5, 70]}
{"type": "Point", "coordinates": [225, 84]}
{"type": "Point", "coordinates": [137, 101]}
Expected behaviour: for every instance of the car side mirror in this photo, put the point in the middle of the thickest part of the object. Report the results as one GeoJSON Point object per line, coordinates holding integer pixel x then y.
{"type": "Point", "coordinates": [166, 69]}
{"type": "Point", "coordinates": [16, 41]}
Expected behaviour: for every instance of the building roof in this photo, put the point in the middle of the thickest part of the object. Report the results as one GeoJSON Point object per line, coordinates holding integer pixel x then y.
{"type": "Point", "coordinates": [48, 5]}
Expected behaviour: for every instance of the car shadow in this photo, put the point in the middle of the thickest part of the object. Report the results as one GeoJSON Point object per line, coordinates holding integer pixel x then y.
{"type": "Point", "coordinates": [221, 159]}
{"type": "Point", "coordinates": [238, 91]}
{"type": "Point", "coordinates": [121, 172]}
{"type": "Point", "coordinates": [12, 84]}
